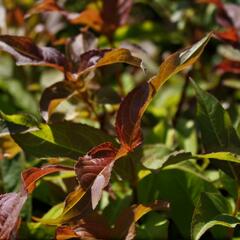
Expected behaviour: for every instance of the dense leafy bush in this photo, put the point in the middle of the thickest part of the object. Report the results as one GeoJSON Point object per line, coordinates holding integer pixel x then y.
{"type": "Point", "coordinates": [93, 145]}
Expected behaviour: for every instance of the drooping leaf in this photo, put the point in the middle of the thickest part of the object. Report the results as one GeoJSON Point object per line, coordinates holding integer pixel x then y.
{"type": "Point", "coordinates": [212, 209]}
{"type": "Point", "coordinates": [128, 121]}
{"type": "Point", "coordinates": [10, 207]}
{"type": "Point", "coordinates": [27, 53]}
{"type": "Point", "coordinates": [64, 139]}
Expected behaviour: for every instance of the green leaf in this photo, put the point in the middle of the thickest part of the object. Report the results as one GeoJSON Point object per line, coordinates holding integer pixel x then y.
{"type": "Point", "coordinates": [157, 156]}
{"type": "Point", "coordinates": [64, 139]}
{"type": "Point", "coordinates": [212, 209]}
{"type": "Point", "coordinates": [181, 189]}
{"type": "Point", "coordinates": [215, 124]}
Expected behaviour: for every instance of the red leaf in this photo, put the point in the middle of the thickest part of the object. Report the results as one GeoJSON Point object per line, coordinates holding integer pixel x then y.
{"type": "Point", "coordinates": [94, 169]}
{"type": "Point", "coordinates": [32, 175]}
{"type": "Point", "coordinates": [228, 66]}
{"type": "Point", "coordinates": [27, 53]}
{"type": "Point", "coordinates": [230, 34]}
{"type": "Point", "coordinates": [10, 207]}
{"type": "Point", "coordinates": [114, 13]}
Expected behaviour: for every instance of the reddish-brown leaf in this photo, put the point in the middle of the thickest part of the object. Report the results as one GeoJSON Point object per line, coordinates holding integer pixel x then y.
{"type": "Point", "coordinates": [228, 66]}
{"type": "Point", "coordinates": [27, 53]}
{"type": "Point", "coordinates": [114, 13]}
{"type": "Point", "coordinates": [32, 175]}
{"type": "Point", "coordinates": [53, 96]}
{"type": "Point", "coordinates": [10, 207]}
{"type": "Point", "coordinates": [94, 169]}
{"type": "Point", "coordinates": [128, 121]}
{"type": "Point", "coordinates": [229, 35]}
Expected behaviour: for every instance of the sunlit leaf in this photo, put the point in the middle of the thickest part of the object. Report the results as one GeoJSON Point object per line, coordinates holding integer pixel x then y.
{"type": "Point", "coordinates": [64, 139]}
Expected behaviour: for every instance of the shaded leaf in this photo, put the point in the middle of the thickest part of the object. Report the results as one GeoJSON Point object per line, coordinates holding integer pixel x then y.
{"type": "Point", "coordinates": [27, 53]}
{"type": "Point", "coordinates": [215, 124]}
{"type": "Point", "coordinates": [212, 209]}
{"type": "Point", "coordinates": [128, 121]}
{"type": "Point", "coordinates": [52, 97]}
{"type": "Point", "coordinates": [125, 224]}
{"type": "Point", "coordinates": [114, 14]}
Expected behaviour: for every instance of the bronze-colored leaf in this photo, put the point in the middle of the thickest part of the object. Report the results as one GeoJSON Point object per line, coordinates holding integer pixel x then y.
{"type": "Point", "coordinates": [128, 121]}
{"type": "Point", "coordinates": [27, 53]}
{"type": "Point", "coordinates": [32, 175]}
{"type": "Point", "coordinates": [94, 170]}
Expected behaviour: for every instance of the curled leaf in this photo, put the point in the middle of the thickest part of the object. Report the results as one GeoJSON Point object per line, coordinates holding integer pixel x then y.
{"type": "Point", "coordinates": [27, 53]}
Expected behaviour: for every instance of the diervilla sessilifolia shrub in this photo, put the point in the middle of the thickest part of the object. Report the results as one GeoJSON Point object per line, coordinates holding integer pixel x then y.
{"type": "Point", "coordinates": [93, 163]}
